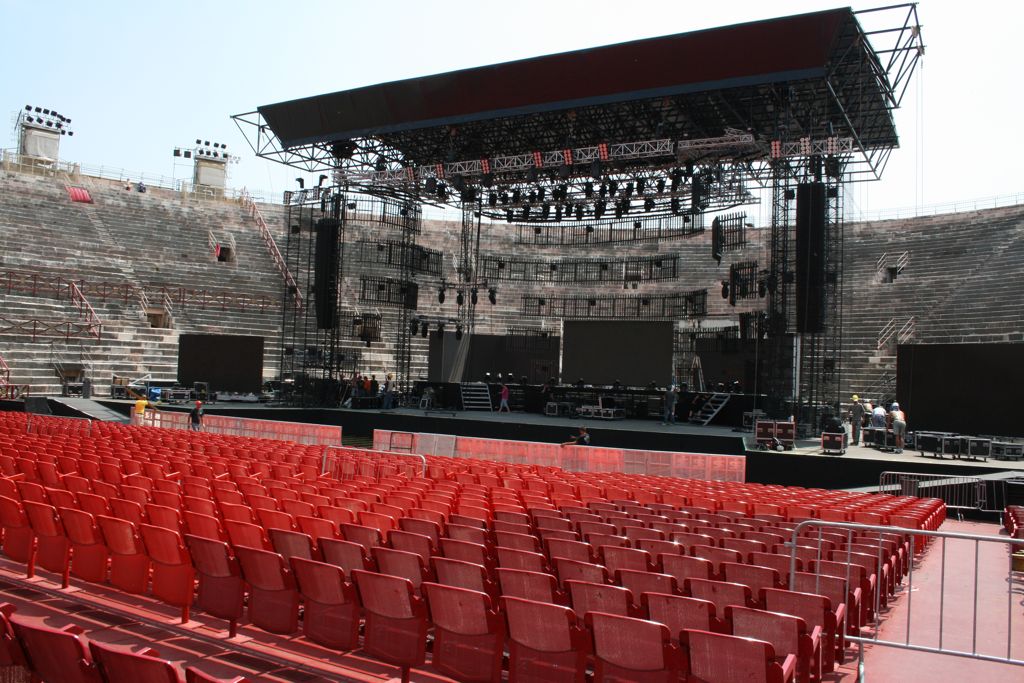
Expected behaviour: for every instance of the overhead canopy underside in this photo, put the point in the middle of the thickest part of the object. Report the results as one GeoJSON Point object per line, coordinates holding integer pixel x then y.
{"type": "Point", "coordinates": [810, 74]}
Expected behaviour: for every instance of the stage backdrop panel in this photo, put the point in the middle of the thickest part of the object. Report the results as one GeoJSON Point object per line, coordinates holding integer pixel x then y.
{"type": "Point", "coordinates": [227, 362]}
{"type": "Point", "coordinates": [634, 353]}
{"type": "Point", "coordinates": [966, 388]}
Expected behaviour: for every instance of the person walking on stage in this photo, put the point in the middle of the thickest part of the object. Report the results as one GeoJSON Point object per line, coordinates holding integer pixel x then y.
{"type": "Point", "coordinates": [856, 418]}
{"type": "Point", "coordinates": [671, 396]}
{"type": "Point", "coordinates": [195, 417]}
{"type": "Point", "coordinates": [503, 406]}
{"type": "Point", "coordinates": [389, 392]}
{"type": "Point", "coordinates": [899, 425]}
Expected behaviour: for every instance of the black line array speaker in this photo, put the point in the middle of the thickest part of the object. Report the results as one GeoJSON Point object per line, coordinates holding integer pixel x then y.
{"type": "Point", "coordinates": [325, 273]}
{"type": "Point", "coordinates": [811, 209]}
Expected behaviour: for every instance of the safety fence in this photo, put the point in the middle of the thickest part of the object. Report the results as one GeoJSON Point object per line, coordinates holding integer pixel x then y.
{"type": "Point", "coordinates": [707, 466]}
{"type": "Point", "coordinates": [963, 623]}
{"type": "Point", "coordinates": [957, 492]}
{"type": "Point", "coordinates": [349, 463]}
{"type": "Point", "coordinates": [299, 432]}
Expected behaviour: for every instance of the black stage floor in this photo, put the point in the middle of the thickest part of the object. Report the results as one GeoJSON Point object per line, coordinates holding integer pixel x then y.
{"type": "Point", "coordinates": [803, 466]}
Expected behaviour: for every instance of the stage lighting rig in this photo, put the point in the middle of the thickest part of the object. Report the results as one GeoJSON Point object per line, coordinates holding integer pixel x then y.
{"type": "Point", "coordinates": [45, 119]}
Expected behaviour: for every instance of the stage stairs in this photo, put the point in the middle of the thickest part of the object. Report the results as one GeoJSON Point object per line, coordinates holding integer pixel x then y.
{"type": "Point", "coordinates": [475, 396]}
{"type": "Point", "coordinates": [710, 408]}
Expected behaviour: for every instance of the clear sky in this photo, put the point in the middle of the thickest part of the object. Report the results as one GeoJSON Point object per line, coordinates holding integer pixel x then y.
{"type": "Point", "coordinates": [138, 79]}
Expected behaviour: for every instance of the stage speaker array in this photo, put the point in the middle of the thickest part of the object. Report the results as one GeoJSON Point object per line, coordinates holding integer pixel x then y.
{"type": "Point", "coordinates": [811, 208]}
{"type": "Point", "coordinates": [325, 273]}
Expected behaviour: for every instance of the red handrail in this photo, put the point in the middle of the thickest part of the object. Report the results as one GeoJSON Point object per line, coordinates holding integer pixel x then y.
{"type": "Point", "coordinates": [275, 253]}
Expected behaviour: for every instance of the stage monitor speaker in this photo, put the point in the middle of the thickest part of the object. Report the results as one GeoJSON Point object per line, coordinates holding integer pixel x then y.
{"type": "Point", "coordinates": [811, 208]}
{"type": "Point", "coordinates": [325, 273]}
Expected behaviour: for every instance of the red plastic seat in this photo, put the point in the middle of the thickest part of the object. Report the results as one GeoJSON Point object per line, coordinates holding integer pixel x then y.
{"type": "Point", "coordinates": [546, 642]}
{"type": "Point", "coordinates": [596, 597]}
{"type": "Point", "coordinates": [93, 504]}
{"type": "Point", "coordinates": [788, 635]}
{"type": "Point", "coordinates": [129, 563]}
{"type": "Point", "coordinates": [291, 544]}
{"type": "Point", "coordinates": [89, 555]}
{"type": "Point", "coordinates": [118, 663]}
{"type": "Point", "coordinates": [345, 554]}
{"type": "Point", "coordinates": [679, 613]}
{"type": "Point", "coordinates": [569, 550]}
{"type": "Point", "coordinates": [396, 620]}
{"type": "Point", "coordinates": [413, 543]}
{"type": "Point", "coordinates": [625, 558]}
{"type": "Point", "coordinates": [159, 515]}
{"type": "Point", "coordinates": [580, 571]}
{"type": "Point", "coordinates": [198, 524]}
{"type": "Point", "coordinates": [716, 556]}
{"type": "Point", "coordinates": [400, 563]}
{"type": "Point", "coordinates": [628, 649]}
{"type": "Point", "coordinates": [844, 602]}
{"type": "Point", "coordinates": [366, 536]}
{"type": "Point", "coordinates": [469, 636]}
{"type": "Point", "coordinates": [721, 593]}
{"type": "Point", "coordinates": [505, 539]}
{"type": "Point", "coordinates": [18, 537]}
{"type": "Point", "coordinates": [55, 656]}
{"type": "Point", "coordinates": [756, 577]}
{"type": "Point", "coordinates": [11, 652]}
{"type": "Point", "coordinates": [273, 597]}
{"type": "Point", "coordinates": [518, 583]}
{"type": "Point", "coordinates": [816, 611]}
{"type": "Point", "coordinates": [467, 552]}
{"type": "Point", "coordinates": [421, 526]}
{"type": "Point", "coordinates": [128, 510]}
{"type": "Point", "coordinates": [317, 528]}
{"type": "Point", "coordinates": [244, 534]}
{"type": "Point", "coordinates": [462, 574]}
{"type": "Point", "coordinates": [719, 657]}
{"type": "Point", "coordinates": [521, 559]}
{"type": "Point", "coordinates": [332, 609]}
{"type": "Point", "coordinates": [52, 549]}
{"type": "Point", "coordinates": [639, 583]}
{"type": "Point", "coordinates": [173, 574]}
{"type": "Point", "coordinates": [221, 590]}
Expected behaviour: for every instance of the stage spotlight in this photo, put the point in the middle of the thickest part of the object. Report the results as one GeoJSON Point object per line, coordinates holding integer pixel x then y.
{"type": "Point", "coordinates": [460, 298]}
{"type": "Point", "coordinates": [442, 191]}
{"type": "Point", "coordinates": [508, 215]}
{"type": "Point", "coordinates": [431, 185]}
{"type": "Point", "coordinates": [414, 325]}
{"type": "Point", "coordinates": [564, 171]}
{"type": "Point", "coordinates": [613, 188]}
{"type": "Point", "coordinates": [532, 197]}
{"type": "Point", "coordinates": [504, 198]}
{"type": "Point", "coordinates": [473, 296]}
{"type": "Point", "coordinates": [595, 169]}
{"type": "Point", "coordinates": [588, 189]}
{"type": "Point", "coordinates": [618, 210]}
{"type": "Point", "coordinates": [301, 182]}
{"type": "Point", "coordinates": [424, 329]}
{"type": "Point", "coordinates": [579, 212]}
{"type": "Point", "coordinates": [675, 205]}
{"type": "Point", "coordinates": [558, 213]}
{"type": "Point", "coordinates": [458, 331]}
{"type": "Point", "coordinates": [725, 289]}
{"type": "Point", "coordinates": [661, 185]}
{"type": "Point", "coordinates": [320, 182]}
{"type": "Point", "coordinates": [517, 196]}
{"type": "Point", "coordinates": [487, 180]}
{"type": "Point", "coordinates": [600, 208]}
{"type": "Point", "coordinates": [545, 211]}
{"type": "Point", "coordinates": [492, 295]}
{"type": "Point", "coordinates": [541, 194]}
{"type": "Point", "coordinates": [492, 199]}
{"type": "Point", "coordinates": [440, 296]}
{"type": "Point", "coordinates": [629, 189]}
{"type": "Point", "coordinates": [526, 212]}
{"type": "Point", "coordinates": [641, 183]}
{"type": "Point", "coordinates": [603, 191]}
{"type": "Point", "coordinates": [649, 204]}
{"type": "Point", "coordinates": [531, 174]}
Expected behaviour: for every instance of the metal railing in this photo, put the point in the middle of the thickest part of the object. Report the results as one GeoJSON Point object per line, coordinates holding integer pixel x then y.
{"type": "Point", "coordinates": [85, 310]}
{"type": "Point", "coordinates": [957, 492]}
{"type": "Point", "coordinates": [298, 432]}
{"type": "Point", "coordinates": [13, 161]}
{"type": "Point", "coordinates": [869, 634]}
{"type": "Point", "coordinates": [275, 253]}
{"type": "Point", "coordinates": [341, 463]}
{"type": "Point", "coordinates": [892, 329]}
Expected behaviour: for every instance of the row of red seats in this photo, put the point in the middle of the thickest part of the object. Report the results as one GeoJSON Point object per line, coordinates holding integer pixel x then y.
{"type": "Point", "coordinates": [62, 656]}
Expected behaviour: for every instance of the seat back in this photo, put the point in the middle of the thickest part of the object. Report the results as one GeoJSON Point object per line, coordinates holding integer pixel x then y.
{"type": "Point", "coordinates": [118, 663]}
{"type": "Point", "coordinates": [332, 605]}
{"type": "Point", "coordinates": [631, 649]}
{"type": "Point", "coordinates": [55, 656]}
{"type": "Point", "coordinates": [469, 634]}
{"type": "Point", "coordinates": [639, 583]}
{"type": "Point", "coordinates": [595, 597]}
{"type": "Point", "coordinates": [546, 642]}
{"type": "Point", "coordinates": [396, 620]}
{"type": "Point", "coordinates": [719, 657]}
{"type": "Point", "coordinates": [519, 583]}
{"type": "Point", "coordinates": [291, 544]}
{"type": "Point", "coordinates": [345, 554]}
{"type": "Point", "coordinates": [679, 613]}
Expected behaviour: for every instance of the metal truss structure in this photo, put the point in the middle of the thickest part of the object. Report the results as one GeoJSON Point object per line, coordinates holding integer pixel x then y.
{"type": "Point", "coordinates": [370, 308]}
{"type": "Point", "coordinates": [626, 270]}
{"type": "Point", "coordinates": [680, 306]}
{"type": "Point", "coordinates": [627, 170]}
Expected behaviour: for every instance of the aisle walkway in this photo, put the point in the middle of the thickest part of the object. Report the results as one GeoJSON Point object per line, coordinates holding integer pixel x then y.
{"type": "Point", "coordinates": [923, 608]}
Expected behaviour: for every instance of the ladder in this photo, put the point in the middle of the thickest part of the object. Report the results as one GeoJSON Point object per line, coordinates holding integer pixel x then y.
{"type": "Point", "coordinates": [710, 408]}
{"type": "Point", "coordinates": [475, 396]}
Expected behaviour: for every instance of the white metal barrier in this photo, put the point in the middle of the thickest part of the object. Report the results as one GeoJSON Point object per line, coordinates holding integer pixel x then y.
{"type": "Point", "coordinates": [957, 492]}
{"type": "Point", "coordinates": [914, 535]}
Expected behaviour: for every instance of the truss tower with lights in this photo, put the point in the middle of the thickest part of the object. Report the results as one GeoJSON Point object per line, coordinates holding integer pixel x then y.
{"type": "Point", "coordinates": [639, 140]}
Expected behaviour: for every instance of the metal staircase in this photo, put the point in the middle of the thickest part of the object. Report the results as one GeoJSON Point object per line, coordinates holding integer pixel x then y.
{"type": "Point", "coordinates": [475, 396]}
{"type": "Point", "coordinates": [710, 408]}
